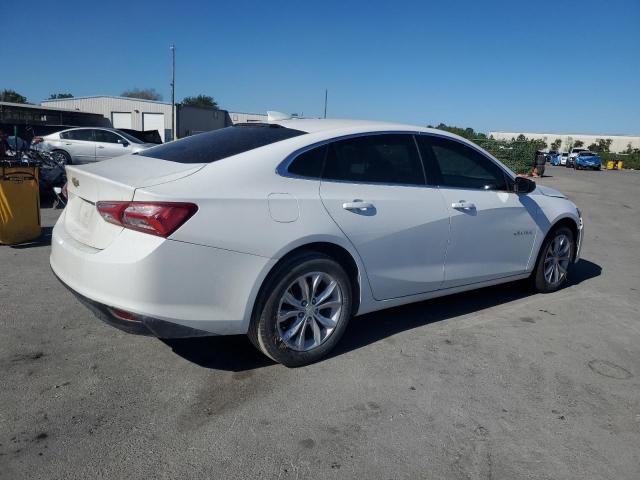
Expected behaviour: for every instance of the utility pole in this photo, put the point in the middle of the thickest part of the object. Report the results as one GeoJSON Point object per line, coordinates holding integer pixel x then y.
{"type": "Point", "coordinates": [325, 102]}
{"type": "Point", "coordinates": [173, 91]}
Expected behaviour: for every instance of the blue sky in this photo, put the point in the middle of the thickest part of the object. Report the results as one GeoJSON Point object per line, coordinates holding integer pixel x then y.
{"type": "Point", "coordinates": [559, 66]}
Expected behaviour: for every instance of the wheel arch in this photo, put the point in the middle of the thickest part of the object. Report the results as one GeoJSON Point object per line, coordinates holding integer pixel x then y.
{"type": "Point", "coordinates": [564, 221]}
{"type": "Point", "coordinates": [338, 252]}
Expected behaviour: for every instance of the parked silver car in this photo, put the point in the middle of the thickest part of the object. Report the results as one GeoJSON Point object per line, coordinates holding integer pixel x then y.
{"type": "Point", "coordinates": [85, 145]}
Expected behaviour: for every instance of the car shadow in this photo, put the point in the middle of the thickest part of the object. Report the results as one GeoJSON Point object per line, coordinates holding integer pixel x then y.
{"type": "Point", "coordinates": [236, 353]}
{"type": "Point", "coordinates": [44, 240]}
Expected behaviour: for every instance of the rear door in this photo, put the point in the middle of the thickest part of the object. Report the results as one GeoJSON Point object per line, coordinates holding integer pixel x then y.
{"type": "Point", "coordinates": [492, 229]}
{"type": "Point", "coordinates": [374, 188]}
{"type": "Point", "coordinates": [79, 144]}
{"type": "Point", "coordinates": [109, 144]}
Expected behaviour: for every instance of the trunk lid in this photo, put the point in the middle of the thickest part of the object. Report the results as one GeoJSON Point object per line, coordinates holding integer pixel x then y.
{"type": "Point", "coordinates": [116, 179]}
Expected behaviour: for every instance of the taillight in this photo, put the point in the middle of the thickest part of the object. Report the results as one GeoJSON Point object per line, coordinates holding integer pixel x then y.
{"type": "Point", "coordinates": [156, 218]}
{"type": "Point", "coordinates": [37, 140]}
{"type": "Point", "coordinates": [65, 192]}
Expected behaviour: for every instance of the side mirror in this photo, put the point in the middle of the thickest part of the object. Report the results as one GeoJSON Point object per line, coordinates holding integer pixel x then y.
{"type": "Point", "coordinates": [124, 143]}
{"type": "Point", "coordinates": [523, 185]}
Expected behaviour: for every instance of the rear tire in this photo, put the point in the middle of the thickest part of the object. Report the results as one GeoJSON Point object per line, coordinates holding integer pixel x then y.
{"type": "Point", "coordinates": [289, 323]}
{"type": "Point", "coordinates": [554, 260]}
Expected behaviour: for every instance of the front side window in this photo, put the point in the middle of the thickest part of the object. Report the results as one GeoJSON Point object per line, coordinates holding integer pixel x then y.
{"type": "Point", "coordinates": [82, 134]}
{"type": "Point", "coordinates": [385, 158]}
{"type": "Point", "coordinates": [453, 164]}
{"type": "Point", "coordinates": [106, 136]}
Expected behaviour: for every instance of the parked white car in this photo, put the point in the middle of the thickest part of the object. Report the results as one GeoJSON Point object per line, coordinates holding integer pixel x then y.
{"type": "Point", "coordinates": [285, 230]}
{"type": "Point", "coordinates": [563, 158]}
{"type": "Point", "coordinates": [87, 145]}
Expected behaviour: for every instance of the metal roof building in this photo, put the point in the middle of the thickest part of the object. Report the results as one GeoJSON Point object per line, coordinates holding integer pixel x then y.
{"type": "Point", "coordinates": [239, 117]}
{"type": "Point", "coordinates": [123, 112]}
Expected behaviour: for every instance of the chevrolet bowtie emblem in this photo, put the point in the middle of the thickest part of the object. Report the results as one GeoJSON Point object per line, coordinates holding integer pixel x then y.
{"type": "Point", "coordinates": [75, 182]}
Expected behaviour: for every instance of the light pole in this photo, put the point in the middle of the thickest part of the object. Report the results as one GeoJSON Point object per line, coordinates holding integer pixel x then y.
{"type": "Point", "coordinates": [326, 92]}
{"type": "Point", "coordinates": [173, 91]}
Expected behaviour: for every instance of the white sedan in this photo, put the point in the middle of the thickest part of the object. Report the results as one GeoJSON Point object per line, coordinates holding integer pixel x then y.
{"type": "Point", "coordinates": [285, 230]}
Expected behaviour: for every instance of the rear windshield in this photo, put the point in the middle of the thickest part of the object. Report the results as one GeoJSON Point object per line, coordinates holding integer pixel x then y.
{"type": "Point", "coordinates": [218, 144]}
{"type": "Point", "coordinates": [131, 138]}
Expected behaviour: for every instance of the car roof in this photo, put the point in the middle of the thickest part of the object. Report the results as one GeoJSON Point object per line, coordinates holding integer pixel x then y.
{"type": "Point", "coordinates": [339, 126]}
{"type": "Point", "coordinates": [90, 128]}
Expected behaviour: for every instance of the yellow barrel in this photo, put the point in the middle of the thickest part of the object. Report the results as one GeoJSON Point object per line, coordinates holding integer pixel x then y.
{"type": "Point", "coordinates": [610, 165]}
{"type": "Point", "coordinates": [619, 165]}
{"type": "Point", "coordinates": [19, 203]}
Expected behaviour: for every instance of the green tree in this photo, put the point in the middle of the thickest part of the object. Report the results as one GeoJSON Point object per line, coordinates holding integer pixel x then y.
{"type": "Point", "coordinates": [601, 145]}
{"type": "Point", "coordinates": [555, 145]}
{"type": "Point", "coordinates": [578, 144]}
{"type": "Point", "coordinates": [56, 96]}
{"type": "Point", "coordinates": [144, 94]}
{"type": "Point", "coordinates": [8, 95]}
{"type": "Point", "coordinates": [468, 132]}
{"type": "Point", "coordinates": [604, 145]}
{"type": "Point", "coordinates": [200, 101]}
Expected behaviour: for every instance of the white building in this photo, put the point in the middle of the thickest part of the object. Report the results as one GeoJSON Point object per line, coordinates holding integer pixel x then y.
{"type": "Point", "coordinates": [619, 143]}
{"type": "Point", "coordinates": [123, 112]}
{"type": "Point", "coordinates": [238, 117]}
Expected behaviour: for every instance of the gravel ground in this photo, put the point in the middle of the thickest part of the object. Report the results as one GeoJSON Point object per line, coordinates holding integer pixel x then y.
{"type": "Point", "coordinates": [497, 383]}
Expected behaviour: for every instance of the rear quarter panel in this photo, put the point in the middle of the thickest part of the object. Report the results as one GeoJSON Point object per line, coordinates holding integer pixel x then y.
{"type": "Point", "coordinates": [234, 211]}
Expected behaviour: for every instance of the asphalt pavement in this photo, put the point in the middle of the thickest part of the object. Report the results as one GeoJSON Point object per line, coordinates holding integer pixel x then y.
{"type": "Point", "coordinates": [498, 383]}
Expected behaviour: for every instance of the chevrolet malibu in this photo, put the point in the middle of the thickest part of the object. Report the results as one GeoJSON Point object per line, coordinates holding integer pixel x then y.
{"type": "Point", "coordinates": [285, 230]}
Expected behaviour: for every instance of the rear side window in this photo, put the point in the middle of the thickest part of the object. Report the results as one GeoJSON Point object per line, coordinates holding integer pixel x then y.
{"type": "Point", "coordinates": [453, 164]}
{"type": "Point", "coordinates": [212, 146]}
{"type": "Point", "coordinates": [309, 163]}
{"type": "Point", "coordinates": [391, 158]}
{"type": "Point", "coordinates": [85, 134]}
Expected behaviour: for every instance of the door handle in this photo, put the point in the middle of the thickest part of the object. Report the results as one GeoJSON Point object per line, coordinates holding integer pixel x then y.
{"type": "Point", "coordinates": [357, 205]}
{"type": "Point", "coordinates": [100, 146]}
{"type": "Point", "coordinates": [463, 205]}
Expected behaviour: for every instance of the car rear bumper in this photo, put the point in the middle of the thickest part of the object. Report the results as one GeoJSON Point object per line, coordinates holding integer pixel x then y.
{"type": "Point", "coordinates": [164, 283]}
{"type": "Point", "coordinates": [138, 324]}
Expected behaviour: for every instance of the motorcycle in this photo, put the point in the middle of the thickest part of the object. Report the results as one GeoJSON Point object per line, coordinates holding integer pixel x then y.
{"type": "Point", "coordinates": [53, 177]}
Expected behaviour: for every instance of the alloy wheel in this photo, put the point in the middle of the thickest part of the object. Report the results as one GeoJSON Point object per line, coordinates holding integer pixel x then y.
{"type": "Point", "coordinates": [557, 259]}
{"type": "Point", "coordinates": [309, 311]}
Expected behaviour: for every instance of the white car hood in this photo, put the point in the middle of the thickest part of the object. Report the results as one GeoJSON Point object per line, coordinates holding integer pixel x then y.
{"type": "Point", "coordinates": [549, 192]}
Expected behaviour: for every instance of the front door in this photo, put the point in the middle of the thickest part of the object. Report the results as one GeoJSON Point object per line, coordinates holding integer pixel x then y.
{"type": "Point", "coordinates": [492, 229]}
{"type": "Point", "coordinates": [374, 189]}
{"type": "Point", "coordinates": [109, 145]}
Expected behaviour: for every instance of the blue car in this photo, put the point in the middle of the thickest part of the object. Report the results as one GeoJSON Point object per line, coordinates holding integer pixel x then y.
{"type": "Point", "coordinates": [588, 160]}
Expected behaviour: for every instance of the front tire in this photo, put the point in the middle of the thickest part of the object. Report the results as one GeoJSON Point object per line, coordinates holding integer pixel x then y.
{"type": "Point", "coordinates": [62, 157]}
{"type": "Point", "coordinates": [556, 254]}
{"type": "Point", "coordinates": [303, 309]}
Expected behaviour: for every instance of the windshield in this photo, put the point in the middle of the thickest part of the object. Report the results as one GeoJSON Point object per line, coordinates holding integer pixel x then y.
{"type": "Point", "coordinates": [129, 137]}
{"type": "Point", "coordinates": [212, 146]}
